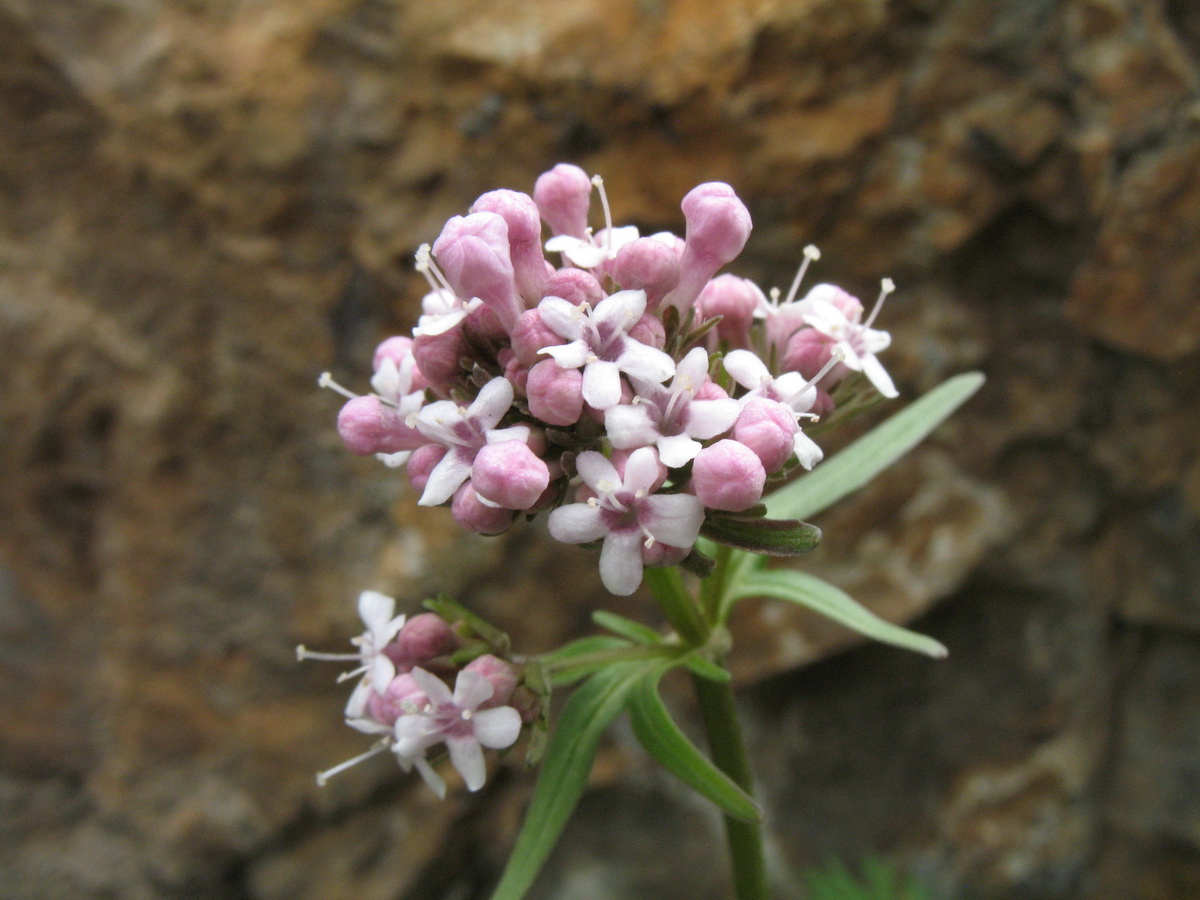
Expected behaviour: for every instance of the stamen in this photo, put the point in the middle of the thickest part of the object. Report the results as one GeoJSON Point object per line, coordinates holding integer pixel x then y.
{"type": "Point", "coordinates": [427, 266]}
{"type": "Point", "coordinates": [323, 777]}
{"type": "Point", "coordinates": [811, 253]}
{"type": "Point", "coordinates": [326, 381]}
{"type": "Point", "coordinates": [346, 676]}
{"type": "Point", "coordinates": [886, 287]}
{"type": "Point", "coordinates": [593, 502]}
{"type": "Point", "coordinates": [303, 653]}
{"type": "Point", "coordinates": [649, 542]}
{"type": "Point", "coordinates": [608, 225]}
{"type": "Point", "coordinates": [466, 715]}
{"type": "Point", "coordinates": [836, 356]}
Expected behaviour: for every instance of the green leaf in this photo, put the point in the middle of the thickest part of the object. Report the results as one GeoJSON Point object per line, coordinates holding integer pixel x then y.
{"type": "Point", "coordinates": [626, 628]}
{"type": "Point", "coordinates": [706, 668]}
{"type": "Point", "coordinates": [659, 734]}
{"type": "Point", "coordinates": [566, 766]}
{"type": "Point", "coordinates": [872, 453]}
{"type": "Point", "coordinates": [772, 537]}
{"type": "Point", "coordinates": [822, 597]}
{"type": "Point", "coordinates": [579, 658]}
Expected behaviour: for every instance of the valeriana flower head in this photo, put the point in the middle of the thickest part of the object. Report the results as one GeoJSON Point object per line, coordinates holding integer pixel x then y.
{"type": "Point", "coordinates": [626, 516]}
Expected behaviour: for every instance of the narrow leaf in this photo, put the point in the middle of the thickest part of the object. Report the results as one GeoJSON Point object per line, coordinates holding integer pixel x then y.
{"type": "Point", "coordinates": [872, 453]}
{"type": "Point", "coordinates": [706, 668]}
{"type": "Point", "coordinates": [659, 734]}
{"type": "Point", "coordinates": [626, 628]}
{"type": "Point", "coordinates": [822, 597]}
{"type": "Point", "coordinates": [565, 768]}
{"type": "Point", "coordinates": [772, 537]}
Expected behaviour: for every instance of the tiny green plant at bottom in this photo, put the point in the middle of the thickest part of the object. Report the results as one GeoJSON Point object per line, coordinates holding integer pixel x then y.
{"type": "Point", "coordinates": [875, 880]}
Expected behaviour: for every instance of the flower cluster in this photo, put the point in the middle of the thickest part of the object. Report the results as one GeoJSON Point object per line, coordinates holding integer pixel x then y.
{"type": "Point", "coordinates": [402, 698]}
{"type": "Point", "coordinates": [630, 391]}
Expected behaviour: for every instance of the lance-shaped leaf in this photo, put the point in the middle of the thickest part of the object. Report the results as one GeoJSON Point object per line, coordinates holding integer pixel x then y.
{"type": "Point", "coordinates": [822, 597]}
{"type": "Point", "coordinates": [566, 765]}
{"type": "Point", "coordinates": [579, 658]}
{"type": "Point", "coordinates": [659, 734]}
{"type": "Point", "coordinates": [769, 537]}
{"type": "Point", "coordinates": [706, 668]}
{"type": "Point", "coordinates": [853, 467]}
{"type": "Point", "coordinates": [626, 628]}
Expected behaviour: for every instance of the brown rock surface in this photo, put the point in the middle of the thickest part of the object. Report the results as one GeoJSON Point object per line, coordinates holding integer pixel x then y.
{"type": "Point", "coordinates": [205, 204]}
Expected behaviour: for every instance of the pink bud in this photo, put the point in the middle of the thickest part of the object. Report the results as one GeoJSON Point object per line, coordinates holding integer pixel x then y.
{"type": "Point", "coordinates": [510, 474]}
{"type": "Point", "coordinates": [728, 475]}
{"type": "Point", "coordinates": [499, 674]}
{"type": "Point", "coordinates": [400, 697]}
{"type": "Point", "coordinates": [421, 463]}
{"type": "Point", "coordinates": [472, 515]}
{"type": "Point", "coordinates": [439, 356]}
{"type": "Point", "coordinates": [398, 349]}
{"type": "Point", "coordinates": [423, 638]}
{"type": "Point", "coordinates": [734, 300]}
{"type": "Point", "coordinates": [660, 554]}
{"type": "Point", "coordinates": [710, 390]}
{"type": "Point", "coordinates": [530, 335]}
{"type": "Point", "coordinates": [555, 394]}
{"type": "Point", "coordinates": [718, 225]}
{"type": "Point", "coordinates": [563, 196]}
{"type": "Point", "coordinates": [649, 330]}
{"type": "Point", "coordinates": [524, 238]}
{"type": "Point", "coordinates": [647, 264]}
{"type": "Point", "coordinates": [515, 371]}
{"type": "Point", "coordinates": [575, 286]}
{"type": "Point", "coordinates": [768, 428]}
{"type": "Point", "coordinates": [368, 426]}
{"type": "Point", "coordinates": [474, 255]}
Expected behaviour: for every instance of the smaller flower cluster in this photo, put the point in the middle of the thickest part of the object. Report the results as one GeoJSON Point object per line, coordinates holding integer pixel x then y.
{"type": "Point", "coordinates": [403, 697]}
{"type": "Point", "coordinates": [631, 391]}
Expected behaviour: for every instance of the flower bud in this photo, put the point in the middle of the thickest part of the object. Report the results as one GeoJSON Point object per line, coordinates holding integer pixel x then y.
{"type": "Point", "coordinates": [400, 698]}
{"type": "Point", "coordinates": [649, 330]}
{"type": "Point", "coordinates": [423, 638]}
{"type": "Point", "coordinates": [734, 300]}
{"type": "Point", "coordinates": [575, 286]}
{"type": "Point", "coordinates": [510, 474]}
{"type": "Point", "coordinates": [710, 390]}
{"type": "Point", "coordinates": [439, 356]}
{"type": "Point", "coordinates": [499, 674]}
{"type": "Point", "coordinates": [563, 196]}
{"type": "Point", "coordinates": [474, 255]}
{"type": "Point", "coordinates": [421, 463]}
{"type": "Point", "coordinates": [768, 428]}
{"type": "Point", "coordinates": [524, 238]}
{"type": "Point", "coordinates": [530, 335]}
{"type": "Point", "coordinates": [647, 264]}
{"type": "Point", "coordinates": [555, 394]}
{"type": "Point", "coordinates": [728, 475]}
{"type": "Point", "coordinates": [368, 426]}
{"type": "Point", "coordinates": [660, 554]}
{"type": "Point", "coordinates": [472, 515]}
{"type": "Point", "coordinates": [718, 225]}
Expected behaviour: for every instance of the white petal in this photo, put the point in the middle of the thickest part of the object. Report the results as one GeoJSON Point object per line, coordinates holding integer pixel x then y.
{"type": "Point", "coordinates": [601, 384]}
{"type": "Point", "coordinates": [383, 670]}
{"type": "Point", "coordinates": [569, 356]}
{"type": "Point", "coordinates": [692, 369]}
{"type": "Point", "coordinates": [368, 726]}
{"type": "Point", "coordinates": [471, 689]}
{"type": "Point", "coordinates": [708, 418]}
{"type": "Point", "coordinates": [640, 361]}
{"type": "Point", "coordinates": [879, 377]}
{"type": "Point", "coordinates": [356, 706]}
{"type": "Point", "coordinates": [413, 735]}
{"type": "Point", "coordinates": [435, 689]}
{"type": "Point", "coordinates": [576, 523]}
{"type": "Point", "coordinates": [677, 450]}
{"type": "Point", "coordinates": [513, 433]}
{"type": "Point", "coordinates": [431, 778]}
{"type": "Point", "coordinates": [621, 562]}
{"type": "Point", "coordinates": [875, 341]}
{"type": "Point", "coordinates": [596, 471]}
{"type": "Point", "coordinates": [674, 519]}
{"type": "Point", "coordinates": [376, 610]}
{"type": "Point", "coordinates": [621, 310]}
{"type": "Point", "coordinates": [630, 426]}
{"type": "Point", "coordinates": [435, 421]}
{"type": "Point", "coordinates": [563, 242]}
{"type": "Point", "coordinates": [746, 368]}
{"type": "Point", "coordinates": [497, 728]}
{"type": "Point", "coordinates": [807, 450]}
{"type": "Point", "coordinates": [563, 318]}
{"type": "Point", "coordinates": [438, 323]}
{"type": "Point", "coordinates": [641, 470]}
{"type": "Point", "coordinates": [447, 477]}
{"type": "Point", "coordinates": [467, 756]}
{"type": "Point", "coordinates": [492, 403]}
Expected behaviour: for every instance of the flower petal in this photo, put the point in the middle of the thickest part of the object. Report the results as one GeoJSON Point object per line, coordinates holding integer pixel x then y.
{"type": "Point", "coordinates": [597, 472]}
{"type": "Point", "coordinates": [562, 317]}
{"type": "Point", "coordinates": [576, 523]}
{"type": "Point", "coordinates": [807, 450]}
{"type": "Point", "coordinates": [467, 756]}
{"type": "Point", "coordinates": [620, 311]}
{"type": "Point", "coordinates": [674, 519]}
{"type": "Point", "coordinates": [621, 562]}
{"type": "Point", "coordinates": [569, 356]}
{"type": "Point", "coordinates": [471, 689]}
{"type": "Point", "coordinates": [601, 384]}
{"type": "Point", "coordinates": [629, 425]}
{"type": "Point", "coordinates": [708, 418]}
{"type": "Point", "coordinates": [746, 368]}
{"type": "Point", "coordinates": [497, 728]}
{"type": "Point", "coordinates": [639, 361]}
{"type": "Point", "coordinates": [431, 778]}
{"type": "Point", "coordinates": [641, 470]}
{"type": "Point", "coordinates": [879, 377]}
{"type": "Point", "coordinates": [447, 477]}
{"type": "Point", "coordinates": [677, 450]}
{"type": "Point", "coordinates": [492, 403]}
{"type": "Point", "coordinates": [435, 689]}
{"type": "Point", "coordinates": [376, 610]}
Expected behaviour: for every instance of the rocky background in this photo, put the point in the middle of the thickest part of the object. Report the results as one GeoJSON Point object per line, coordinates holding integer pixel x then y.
{"type": "Point", "coordinates": [205, 203]}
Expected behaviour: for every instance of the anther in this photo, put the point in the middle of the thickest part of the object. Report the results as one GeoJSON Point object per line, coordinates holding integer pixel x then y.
{"type": "Point", "coordinates": [886, 287]}
{"type": "Point", "coordinates": [326, 381]}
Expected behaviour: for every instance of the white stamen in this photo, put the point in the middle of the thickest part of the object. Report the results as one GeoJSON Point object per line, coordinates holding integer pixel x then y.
{"type": "Point", "coordinates": [810, 253]}
{"type": "Point", "coordinates": [593, 502]}
{"type": "Point", "coordinates": [649, 542]}
{"type": "Point", "coordinates": [639, 493]}
{"type": "Point", "coordinates": [323, 777]}
{"type": "Point", "coordinates": [346, 676]}
{"type": "Point", "coordinates": [303, 653]}
{"type": "Point", "coordinates": [608, 225]}
{"type": "Point", "coordinates": [886, 287]}
{"type": "Point", "coordinates": [466, 715]}
{"type": "Point", "coordinates": [326, 381]}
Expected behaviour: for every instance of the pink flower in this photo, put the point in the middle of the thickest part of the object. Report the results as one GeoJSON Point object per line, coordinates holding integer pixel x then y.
{"type": "Point", "coordinates": [600, 344]}
{"type": "Point", "coordinates": [856, 339]}
{"type": "Point", "coordinates": [626, 516]}
{"type": "Point", "coordinates": [458, 720]}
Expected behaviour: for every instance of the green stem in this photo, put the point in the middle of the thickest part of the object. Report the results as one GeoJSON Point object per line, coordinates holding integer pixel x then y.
{"type": "Point", "coordinates": [729, 753]}
{"type": "Point", "coordinates": [678, 605]}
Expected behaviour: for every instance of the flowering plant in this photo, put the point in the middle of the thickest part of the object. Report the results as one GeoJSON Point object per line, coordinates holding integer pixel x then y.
{"type": "Point", "coordinates": [651, 408]}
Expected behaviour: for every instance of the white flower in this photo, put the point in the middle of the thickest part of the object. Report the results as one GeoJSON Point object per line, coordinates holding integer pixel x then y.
{"type": "Point", "coordinates": [592, 250]}
{"type": "Point", "coordinates": [457, 720]}
{"type": "Point", "coordinates": [626, 515]}
{"type": "Point", "coordinates": [856, 339]}
{"type": "Point", "coordinates": [600, 344]}
{"type": "Point", "coordinates": [790, 389]}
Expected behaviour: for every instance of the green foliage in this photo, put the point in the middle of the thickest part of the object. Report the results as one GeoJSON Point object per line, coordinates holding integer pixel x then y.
{"type": "Point", "coordinates": [877, 881]}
